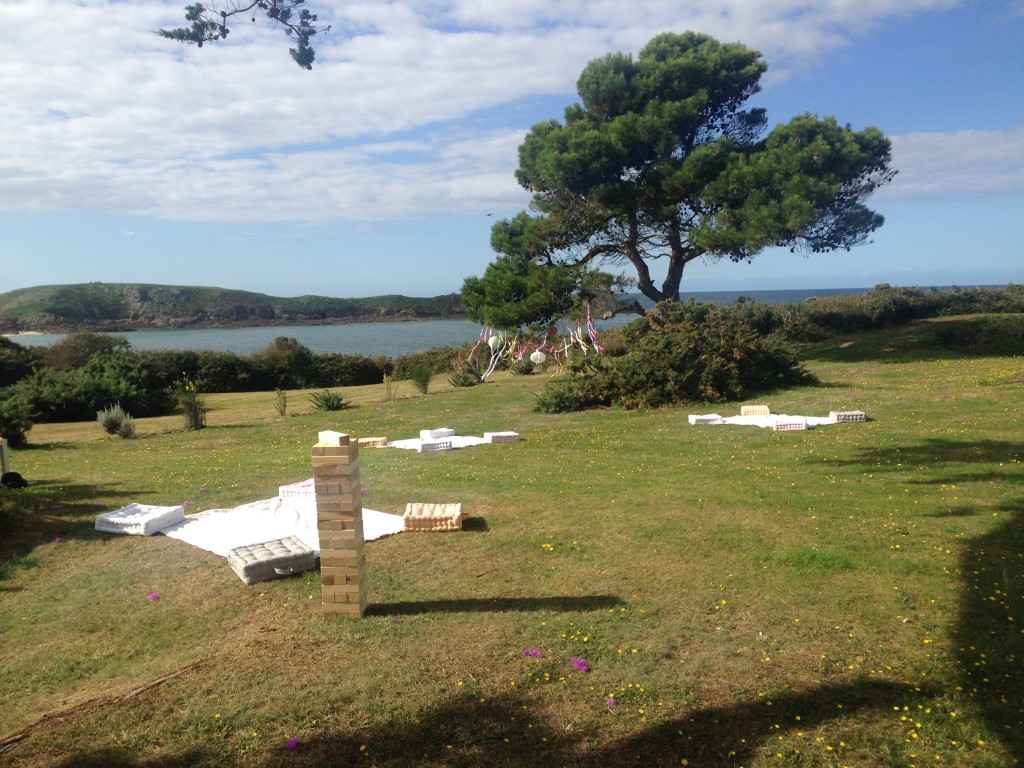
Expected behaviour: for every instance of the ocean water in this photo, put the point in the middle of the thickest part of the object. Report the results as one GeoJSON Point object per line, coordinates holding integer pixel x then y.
{"type": "Point", "coordinates": [389, 339]}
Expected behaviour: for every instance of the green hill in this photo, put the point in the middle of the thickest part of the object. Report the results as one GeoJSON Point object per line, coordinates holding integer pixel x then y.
{"type": "Point", "coordinates": [132, 306]}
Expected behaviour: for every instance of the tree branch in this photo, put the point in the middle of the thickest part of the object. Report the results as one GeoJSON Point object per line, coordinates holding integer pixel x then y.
{"type": "Point", "coordinates": [211, 24]}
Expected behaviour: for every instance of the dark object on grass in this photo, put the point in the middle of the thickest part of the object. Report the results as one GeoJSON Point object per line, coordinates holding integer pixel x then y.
{"type": "Point", "coordinates": [12, 480]}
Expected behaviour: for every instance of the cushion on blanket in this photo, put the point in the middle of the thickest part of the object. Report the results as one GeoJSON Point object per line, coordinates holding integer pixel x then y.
{"type": "Point", "coordinates": [140, 519]}
{"type": "Point", "coordinates": [271, 559]}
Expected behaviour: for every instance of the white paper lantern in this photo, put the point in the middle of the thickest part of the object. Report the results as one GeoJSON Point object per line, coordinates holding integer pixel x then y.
{"type": "Point", "coordinates": [538, 357]}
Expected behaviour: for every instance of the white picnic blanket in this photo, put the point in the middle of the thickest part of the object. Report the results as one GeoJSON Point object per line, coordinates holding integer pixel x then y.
{"type": "Point", "coordinates": [221, 530]}
{"type": "Point", "coordinates": [768, 422]}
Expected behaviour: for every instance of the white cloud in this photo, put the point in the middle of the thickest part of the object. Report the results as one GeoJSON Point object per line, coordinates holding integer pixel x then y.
{"type": "Point", "coordinates": [957, 165]}
{"type": "Point", "coordinates": [401, 117]}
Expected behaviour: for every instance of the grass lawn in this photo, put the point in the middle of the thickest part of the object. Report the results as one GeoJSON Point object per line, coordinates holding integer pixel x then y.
{"type": "Point", "coordinates": [852, 595]}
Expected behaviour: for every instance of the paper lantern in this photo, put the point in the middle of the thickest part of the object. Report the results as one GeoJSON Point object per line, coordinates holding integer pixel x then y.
{"type": "Point", "coordinates": [538, 357]}
{"type": "Point", "coordinates": [494, 342]}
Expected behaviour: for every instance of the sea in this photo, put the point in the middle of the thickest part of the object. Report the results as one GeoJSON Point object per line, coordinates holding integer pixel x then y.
{"type": "Point", "coordinates": [391, 339]}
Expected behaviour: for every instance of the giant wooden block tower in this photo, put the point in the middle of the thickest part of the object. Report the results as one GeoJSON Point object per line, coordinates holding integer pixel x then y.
{"type": "Point", "coordinates": [339, 516]}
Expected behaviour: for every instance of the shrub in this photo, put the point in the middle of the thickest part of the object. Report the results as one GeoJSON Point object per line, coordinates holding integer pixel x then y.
{"type": "Point", "coordinates": [463, 379]}
{"type": "Point", "coordinates": [281, 402]}
{"type": "Point", "coordinates": [679, 352]}
{"type": "Point", "coordinates": [347, 370]}
{"type": "Point", "coordinates": [116, 421]}
{"type": "Point", "coordinates": [15, 418]}
{"type": "Point", "coordinates": [193, 407]}
{"type": "Point", "coordinates": [420, 375]}
{"type": "Point", "coordinates": [326, 400]}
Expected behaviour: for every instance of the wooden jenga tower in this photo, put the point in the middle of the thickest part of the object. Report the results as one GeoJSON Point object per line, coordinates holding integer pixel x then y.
{"type": "Point", "coordinates": [339, 515]}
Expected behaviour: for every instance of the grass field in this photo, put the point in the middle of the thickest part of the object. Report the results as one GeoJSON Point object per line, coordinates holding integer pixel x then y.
{"type": "Point", "coordinates": [852, 595]}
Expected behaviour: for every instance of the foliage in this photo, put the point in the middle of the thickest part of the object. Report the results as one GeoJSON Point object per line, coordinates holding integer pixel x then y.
{"type": "Point", "coordinates": [679, 352]}
{"type": "Point", "coordinates": [54, 395]}
{"type": "Point", "coordinates": [463, 379]}
{"type": "Point", "coordinates": [285, 363]}
{"type": "Point", "coordinates": [326, 400]}
{"type": "Point", "coordinates": [15, 417]}
{"type": "Point", "coordinates": [281, 402]}
{"type": "Point", "coordinates": [662, 161]}
{"type": "Point", "coordinates": [986, 335]}
{"type": "Point", "coordinates": [210, 24]}
{"type": "Point", "coordinates": [347, 370]}
{"type": "Point", "coordinates": [191, 403]}
{"type": "Point", "coordinates": [116, 421]}
{"type": "Point", "coordinates": [77, 349]}
{"type": "Point", "coordinates": [516, 291]}
{"type": "Point", "coordinates": [389, 390]}
{"type": "Point", "coordinates": [16, 361]}
{"type": "Point", "coordinates": [420, 374]}
{"type": "Point", "coordinates": [438, 359]}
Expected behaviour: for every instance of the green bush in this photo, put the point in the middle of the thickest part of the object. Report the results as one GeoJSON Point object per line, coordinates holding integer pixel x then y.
{"type": "Point", "coordinates": [983, 335]}
{"type": "Point", "coordinates": [116, 421]}
{"type": "Point", "coordinates": [420, 375]}
{"type": "Point", "coordinates": [192, 405]}
{"type": "Point", "coordinates": [16, 361]}
{"type": "Point", "coordinates": [679, 352]}
{"type": "Point", "coordinates": [463, 379]}
{"type": "Point", "coordinates": [328, 401]}
{"type": "Point", "coordinates": [15, 418]}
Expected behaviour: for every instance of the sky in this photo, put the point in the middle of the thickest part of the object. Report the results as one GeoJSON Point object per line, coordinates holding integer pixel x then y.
{"type": "Point", "coordinates": [125, 157]}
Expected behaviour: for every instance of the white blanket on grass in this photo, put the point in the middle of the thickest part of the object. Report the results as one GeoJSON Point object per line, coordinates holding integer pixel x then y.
{"type": "Point", "coordinates": [758, 421]}
{"type": "Point", "coordinates": [221, 530]}
{"type": "Point", "coordinates": [457, 441]}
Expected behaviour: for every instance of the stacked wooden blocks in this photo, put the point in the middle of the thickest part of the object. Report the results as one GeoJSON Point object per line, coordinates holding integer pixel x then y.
{"type": "Point", "coordinates": [432, 517]}
{"type": "Point", "coordinates": [755, 410]}
{"type": "Point", "coordinates": [372, 442]}
{"type": "Point", "coordinates": [501, 437]}
{"type": "Point", "coordinates": [339, 521]}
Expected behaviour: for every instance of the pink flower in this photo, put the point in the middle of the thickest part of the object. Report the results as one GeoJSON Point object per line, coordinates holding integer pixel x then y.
{"type": "Point", "coordinates": [292, 743]}
{"type": "Point", "coordinates": [532, 652]}
{"type": "Point", "coordinates": [611, 702]}
{"type": "Point", "coordinates": [153, 596]}
{"type": "Point", "coordinates": [202, 489]}
{"type": "Point", "coordinates": [185, 503]}
{"type": "Point", "coordinates": [56, 539]}
{"type": "Point", "coordinates": [580, 664]}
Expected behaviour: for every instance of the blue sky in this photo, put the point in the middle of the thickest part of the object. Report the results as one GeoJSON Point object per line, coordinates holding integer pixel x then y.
{"type": "Point", "coordinates": [128, 158]}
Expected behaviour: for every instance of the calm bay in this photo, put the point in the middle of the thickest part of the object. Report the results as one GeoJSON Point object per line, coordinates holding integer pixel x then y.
{"type": "Point", "coordinates": [390, 339]}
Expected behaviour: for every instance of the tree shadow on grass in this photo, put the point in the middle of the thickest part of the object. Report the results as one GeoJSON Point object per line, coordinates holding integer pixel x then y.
{"type": "Point", "coordinates": [990, 627]}
{"type": "Point", "coordinates": [941, 453]}
{"type": "Point", "coordinates": [468, 731]}
{"type": "Point", "coordinates": [560, 603]}
{"type": "Point", "coordinates": [46, 511]}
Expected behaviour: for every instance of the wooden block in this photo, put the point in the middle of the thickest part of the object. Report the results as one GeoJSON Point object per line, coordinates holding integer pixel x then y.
{"type": "Point", "coordinates": [372, 442]}
{"type": "Point", "coordinates": [332, 438]}
{"type": "Point", "coordinates": [347, 459]}
{"type": "Point", "coordinates": [338, 505]}
{"type": "Point", "coordinates": [333, 487]}
{"type": "Point", "coordinates": [755, 410]}
{"type": "Point", "coordinates": [333, 469]}
{"type": "Point", "coordinates": [321, 450]}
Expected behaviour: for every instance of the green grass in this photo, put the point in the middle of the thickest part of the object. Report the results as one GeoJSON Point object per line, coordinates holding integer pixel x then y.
{"type": "Point", "coordinates": [850, 595]}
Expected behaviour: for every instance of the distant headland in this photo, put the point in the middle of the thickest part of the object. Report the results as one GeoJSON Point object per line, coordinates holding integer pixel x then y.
{"type": "Point", "coordinates": [119, 307]}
